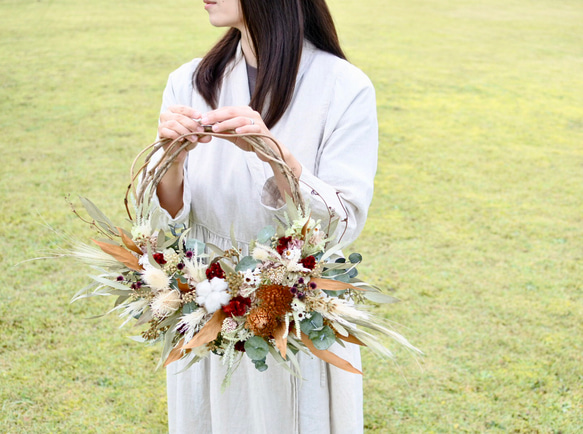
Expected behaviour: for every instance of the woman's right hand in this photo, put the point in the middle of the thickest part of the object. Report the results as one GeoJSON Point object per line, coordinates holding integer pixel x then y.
{"type": "Point", "coordinates": [179, 120]}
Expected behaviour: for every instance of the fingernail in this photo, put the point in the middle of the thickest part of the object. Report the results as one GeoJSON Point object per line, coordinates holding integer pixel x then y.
{"type": "Point", "coordinates": [204, 120]}
{"type": "Point", "coordinates": [215, 127]}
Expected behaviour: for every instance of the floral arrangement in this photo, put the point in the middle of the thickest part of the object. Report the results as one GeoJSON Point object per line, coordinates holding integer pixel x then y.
{"type": "Point", "coordinates": [287, 295]}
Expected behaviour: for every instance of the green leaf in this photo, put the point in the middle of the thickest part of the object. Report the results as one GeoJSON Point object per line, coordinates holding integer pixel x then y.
{"type": "Point", "coordinates": [195, 245]}
{"type": "Point", "coordinates": [379, 297]}
{"type": "Point", "coordinates": [315, 322]}
{"type": "Point", "coordinates": [260, 365]}
{"type": "Point", "coordinates": [256, 348]}
{"type": "Point", "coordinates": [247, 263]}
{"type": "Point", "coordinates": [323, 339]}
{"type": "Point", "coordinates": [189, 308]}
{"type": "Point", "coordinates": [264, 236]}
{"type": "Point", "coordinates": [355, 258]}
{"type": "Point", "coordinates": [334, 293]}
{"type": "Point", "coordinates": [97, 215]}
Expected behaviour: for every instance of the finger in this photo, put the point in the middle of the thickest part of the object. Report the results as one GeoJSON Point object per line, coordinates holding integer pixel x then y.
{"type": "Point", "coordinates": [189, 112]}
{"type": "Point", "coordinates": [177, 128]}
{"type": "Point", "coordinates": [225, 113]}
{"type": "Point", "coordinates": [250, 129]}
{"type": "Point", "coordinates": [238, 122]}
{"type": "Point", "coordinates": [187, 124]}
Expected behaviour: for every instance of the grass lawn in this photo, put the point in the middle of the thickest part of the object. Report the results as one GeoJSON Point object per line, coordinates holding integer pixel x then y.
{"type": "Point", "coordinates": [477, 220]}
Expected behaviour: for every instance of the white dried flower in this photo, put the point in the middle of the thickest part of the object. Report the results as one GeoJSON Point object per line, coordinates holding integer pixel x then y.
{"type": "Point", "coordinates": [141, 231]}
{"type": "Point", "coordinates": [134, 309]}
{"type": "Point", "coordinates": [261, 253]}
{"type": "Point", "coordinates": [166, 303]}
{"type": "Point", "coordinates": [190, 323]}
{"type": "Point", "coordinates": [155, 278]}
{"type": "Point", "coordinates": [194, 270]}
{"type": "Point", "coordinates": [212, 294]}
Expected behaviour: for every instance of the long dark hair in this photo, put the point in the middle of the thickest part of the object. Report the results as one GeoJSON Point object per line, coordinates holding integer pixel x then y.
{"type": "Point", "coordinates": [277, 29]}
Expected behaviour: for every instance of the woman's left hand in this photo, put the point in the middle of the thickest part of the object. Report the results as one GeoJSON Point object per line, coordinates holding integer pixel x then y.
{"type": "Point", "coordinates": [241, 120]}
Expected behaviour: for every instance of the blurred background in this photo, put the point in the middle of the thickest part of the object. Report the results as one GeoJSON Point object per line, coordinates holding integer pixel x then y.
{"type": "Point", "coordinates": [476, 224]}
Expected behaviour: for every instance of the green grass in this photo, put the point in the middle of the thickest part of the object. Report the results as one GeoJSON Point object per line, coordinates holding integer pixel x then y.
{"type": "Point", "coordinates": [477, 219]}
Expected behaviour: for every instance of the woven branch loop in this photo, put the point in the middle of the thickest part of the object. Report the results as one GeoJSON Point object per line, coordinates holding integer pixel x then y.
{"type": "Point", "coordinates": [144, 181]}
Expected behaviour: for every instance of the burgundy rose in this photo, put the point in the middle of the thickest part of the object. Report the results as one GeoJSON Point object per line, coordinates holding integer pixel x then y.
{"type": "Point", "coordinates": [282, 244]}
{"type": "Point", "coordinates": [309, 262]}
{"type": "Point", "coordinates": [159, 258]}
{"type": "Point", "coordinates": [215, 270]}
{"type": "Point", "coordinates": [237, 306]}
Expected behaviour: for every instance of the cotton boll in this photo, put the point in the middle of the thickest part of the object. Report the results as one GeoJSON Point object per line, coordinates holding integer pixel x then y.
{"type": "Point", "coordinates": [212, 294]}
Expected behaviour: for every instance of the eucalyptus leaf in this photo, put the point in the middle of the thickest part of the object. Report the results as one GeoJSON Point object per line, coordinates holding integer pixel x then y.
{"type": "Point", "coordinates": [189, 308]}
{"type": "Point", "coordinates": [345, 278]}
{"type": "Point", "coordinates": [256, 348]}
{"type": "Point", "coordinates": [195, 245]}
{"type": "Point", "coordinates": [323, 339]}
{"type": "Point", "coordinates": [264, 236]}
{"type": "Point", "coordinates": [334, 293]}
{"type": "Point", "coordinates": [315, 322]}
{"type": "Point", "coordinates": [260, 365]}
{"type": "Point", "coordinates": [247, 263]}
{"type": "Point", "coordinates": [355, 258]}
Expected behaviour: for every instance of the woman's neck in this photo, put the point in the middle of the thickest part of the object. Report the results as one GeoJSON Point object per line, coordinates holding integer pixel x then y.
{"type": "Point", "coordinates": [247, 48]}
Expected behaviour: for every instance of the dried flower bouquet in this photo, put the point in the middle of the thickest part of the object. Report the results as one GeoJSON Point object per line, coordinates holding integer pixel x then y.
{"type": "Point", "coordinates": [287, 295]}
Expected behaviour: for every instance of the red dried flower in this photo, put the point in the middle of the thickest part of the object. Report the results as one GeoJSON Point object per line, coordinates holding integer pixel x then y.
{"type": "Point", "coordinates": [282, 244]}
{"type": "Point", "coordinates": [309, 262]}
{"type": "Point", "coordinates": [159, 258]}
{"type": "Point", "coordinates": [215, 270]}
{"type": "Point", "coordinates": [240, 346]}
{"type": "Point", "coordinates": [237, 306]}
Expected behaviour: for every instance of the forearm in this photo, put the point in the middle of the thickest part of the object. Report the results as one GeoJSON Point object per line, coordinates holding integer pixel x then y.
{"type": "Point", "coordinates": [280, 179]}
{"type": "Point", "coordinates": [170, 189]}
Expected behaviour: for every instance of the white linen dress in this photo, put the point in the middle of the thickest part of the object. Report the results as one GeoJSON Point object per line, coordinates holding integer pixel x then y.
{"type": "Point", "coordinates": [331, 128]}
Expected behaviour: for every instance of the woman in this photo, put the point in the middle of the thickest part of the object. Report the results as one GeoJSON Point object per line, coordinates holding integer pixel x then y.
{"type": "Point", "coordinates": [279, 70]}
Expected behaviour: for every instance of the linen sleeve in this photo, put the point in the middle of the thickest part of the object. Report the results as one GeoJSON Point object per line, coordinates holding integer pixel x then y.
{"type": "Point", "coordinates": [343, 177]}
{"type": "Point", "coordinates": [177, 92]}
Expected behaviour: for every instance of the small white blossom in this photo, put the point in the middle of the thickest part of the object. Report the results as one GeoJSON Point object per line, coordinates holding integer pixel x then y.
{"type": "Point", "coordinates": [166, 303]}
{"type": "Point", "coordinates": [298, 306]}
{"type": "Point", "coordinates": [251, 277]}
{"type": "Point", "coordinates": [291, 258]}
{"type": "Point", "coordinates": [212, 294]}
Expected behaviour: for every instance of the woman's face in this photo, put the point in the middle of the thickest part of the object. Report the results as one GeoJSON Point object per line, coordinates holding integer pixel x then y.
{"type": "Point", "coordinates": [224, 13]}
